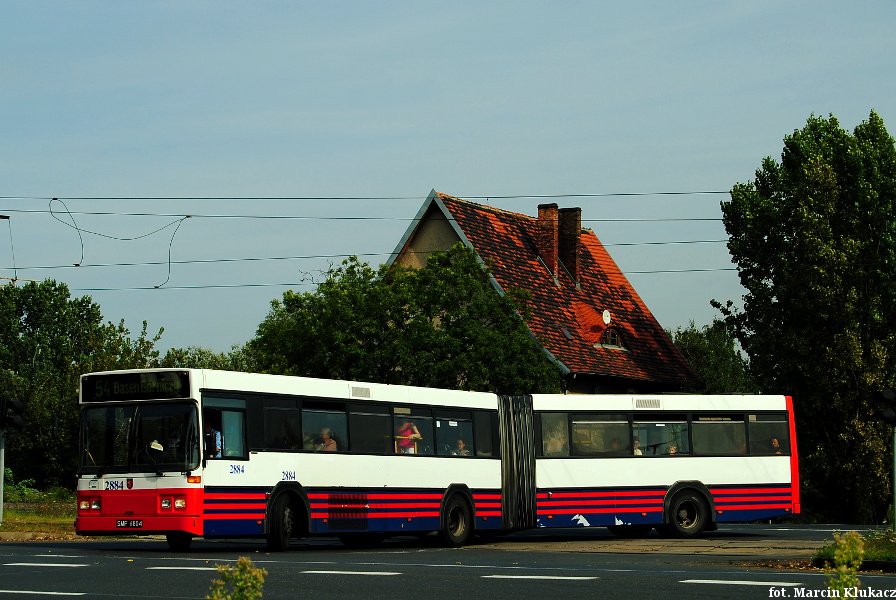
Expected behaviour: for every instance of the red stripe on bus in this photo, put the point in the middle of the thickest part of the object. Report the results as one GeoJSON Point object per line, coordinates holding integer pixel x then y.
{"type": "Point", "coordinates": [382, 515]}
{"type": "Point", "coordinates": [758, 498]}
{"type": "Point", "coordinates": [651, 501]}
{"type": "Point", "coordinates": [573, 511]}
{"type": "Point", "coordinates": [607, 494]}
{"type": "Point", "coordinates": [752, 506]}
{"type": "Point", "coordinates": [378, 496]}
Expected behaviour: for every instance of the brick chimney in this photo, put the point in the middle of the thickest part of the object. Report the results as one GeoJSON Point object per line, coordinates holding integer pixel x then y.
{"type": "Point", "coordinates": [547, 237]}
{"type": "Point", "coordinates": [569, 233]}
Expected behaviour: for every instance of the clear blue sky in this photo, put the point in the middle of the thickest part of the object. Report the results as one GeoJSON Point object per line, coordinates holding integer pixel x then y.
{"type": "Point", "coordinates": [359, 99]}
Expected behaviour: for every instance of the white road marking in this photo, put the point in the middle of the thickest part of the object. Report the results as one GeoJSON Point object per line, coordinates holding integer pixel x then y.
{"type": "Point", "coordinates": [183, 568]}
{"type": "Point", "coordinates": [348, 573]}
{"type": "Point", "coordinates": [535, 577]}
{"type": "Point", "coordinates": [42, 565]}
{"type": "Point", "coordinates": [735, 582]}
{"type": "Point", "coordinates": [30, 592]}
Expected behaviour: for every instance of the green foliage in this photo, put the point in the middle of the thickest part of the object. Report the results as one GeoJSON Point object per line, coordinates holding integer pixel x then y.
{"type": "Point", "coordinates": [241, 582]}
{"type": "Point", "coordinates": [47, 339]}
{"type": "Point", "coordinates": [440, 326]}
{"type": "Point", "coordinates": [814, 239]}
{"type": "Point", "coordinates": [848, 554]}
{"type": "Point", "coordinates": [712, 351]}
{"type": "Point", "coordinates": [195, 357]}
{"type": "Point", "coordinates": [18, 491]}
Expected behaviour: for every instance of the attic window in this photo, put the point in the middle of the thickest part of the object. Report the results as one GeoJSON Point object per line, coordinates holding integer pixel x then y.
{"type": "Point", "coordinates": [611, 339]}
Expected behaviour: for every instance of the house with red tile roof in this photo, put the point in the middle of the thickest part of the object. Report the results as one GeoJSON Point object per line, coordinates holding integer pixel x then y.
{"type": "Point", "coordinates": [587, 316]}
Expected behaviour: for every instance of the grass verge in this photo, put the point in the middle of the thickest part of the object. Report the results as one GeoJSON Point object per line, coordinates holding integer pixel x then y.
{"type": "Point", "coordinates": [880, 546]}
{"type": "Point", "coordinates": [54, 518]}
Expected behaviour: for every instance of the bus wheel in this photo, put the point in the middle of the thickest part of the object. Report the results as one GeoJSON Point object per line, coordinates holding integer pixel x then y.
{"type": "Point", "coordinates": [630, 531]}
{"type": "Point", "coordinates": [688, 515]}
{"type": "Point", "coordinates": [179, 540]}
{"type": "Point", "coordinates": [281, 524]}
{"type": "Point", "coordinates": [458, 521]}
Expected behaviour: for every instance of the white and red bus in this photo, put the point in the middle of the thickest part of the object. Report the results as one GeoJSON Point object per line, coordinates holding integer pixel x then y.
{"type": "Point", "coordinates": [217, 454]}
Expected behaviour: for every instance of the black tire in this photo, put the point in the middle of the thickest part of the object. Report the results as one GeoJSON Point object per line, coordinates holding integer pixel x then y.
{"type": "Point", "coordinates": [282, 524]}
{"type": "Point", "coordinates": [362, 540]}
{"type": "Point", "coordinates": [630, 531]}
{"type": "Point", "coordinates": [457, 522]}
{"type": "Point", "coordinates": [179, 541]}
{"type": "Point", "coordinates": [687, 516]}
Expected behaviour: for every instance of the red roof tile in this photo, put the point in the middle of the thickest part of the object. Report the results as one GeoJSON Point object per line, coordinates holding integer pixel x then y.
{"type": "Point", "coordinates": [569, 320]}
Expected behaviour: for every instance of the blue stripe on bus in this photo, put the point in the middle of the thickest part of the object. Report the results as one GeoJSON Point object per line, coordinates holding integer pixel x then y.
{"type": "Point", "coordinates": [612, 506]}
{"type": "Point", "coordinates": [227, 527]}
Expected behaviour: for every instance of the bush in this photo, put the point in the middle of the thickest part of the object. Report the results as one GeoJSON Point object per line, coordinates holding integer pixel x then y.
{"type": "Point", "coordinates": [21, 491]}
{"type": "Point", "coordinates": [244, 579]}
{"type": "Point", "coordinates": [848, 553]}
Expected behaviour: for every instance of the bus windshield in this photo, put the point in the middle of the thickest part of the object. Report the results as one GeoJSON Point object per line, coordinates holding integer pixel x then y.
{"type": "Point", "coordinates": [139, 438]}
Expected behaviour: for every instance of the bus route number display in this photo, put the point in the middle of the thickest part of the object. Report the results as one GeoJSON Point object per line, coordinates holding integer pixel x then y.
{"type": "Point", "coordinates": [111, 387]}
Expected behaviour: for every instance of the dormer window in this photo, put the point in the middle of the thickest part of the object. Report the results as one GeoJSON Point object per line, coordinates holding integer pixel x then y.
{"type": "Point", "coordinates": [611, 339]}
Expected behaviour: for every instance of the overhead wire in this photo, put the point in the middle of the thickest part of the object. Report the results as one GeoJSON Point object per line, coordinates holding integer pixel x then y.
{"type": "Point", "coordinates": [180, 218]}
{"type": "Point", "coordinates": [467, 197]}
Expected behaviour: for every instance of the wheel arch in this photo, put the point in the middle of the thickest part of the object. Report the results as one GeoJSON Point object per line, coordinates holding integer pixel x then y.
{"type": "Point", "coordinates": [298, 497]}
{"type": "Point", "coordinates": [696, 486]}
{"type": "Point", "coordinates": [462, 490]}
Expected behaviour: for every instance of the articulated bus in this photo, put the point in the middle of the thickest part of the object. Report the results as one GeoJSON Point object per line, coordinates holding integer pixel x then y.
{"type": "Point", "coordinates": [199, 453]}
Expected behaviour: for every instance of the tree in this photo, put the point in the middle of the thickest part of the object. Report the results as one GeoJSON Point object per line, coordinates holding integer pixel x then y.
{"type": "Point", "coordinates": [712, 351]}
{"type": "Point", "coordinates": [47, 339]}
{"type": "Point", "coordinates": [196, 357]}
{"type": "Point", "coordinates": [440, 326]}
{"type": "Point", "coordinates": [814, 239]}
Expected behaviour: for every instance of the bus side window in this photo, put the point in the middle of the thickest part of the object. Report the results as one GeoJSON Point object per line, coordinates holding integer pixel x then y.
{"type": "Point", "coordinates": [769, 434]}
{"type": "Point", "coordinates": [370, 432]}
{"type": "Point", "coordinates": [212, 438]}
{"type": "Point", "coordinates": [233, 425]}
{"type": "Point", "coordinates": [227, 417]}
{"type": "Point", "coordinates": [662, 434]}
{"type": "Point", "coordinates": [601, 435]}
{"type": "Point", "coordinates": [484, 427]}
{"type": "Point", "coordinates": [555, 434]}
{"type": "Point", "coordinates": [719, 435]}
{"type": "Point", "coordinates": [324, 430]}
{"type": "Point", "coordinates": [454, 437]}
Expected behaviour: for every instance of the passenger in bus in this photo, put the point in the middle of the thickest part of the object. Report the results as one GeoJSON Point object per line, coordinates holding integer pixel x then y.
{"type": "Point", "coordinates": [672, 449]}
{"type": "Point", "coordinates": [776, 446]}
{"type": "Point", "coordinates": [636, 444]}
{"type": "Point", "coordinates": [328, 443]}
{"type": "Point", "coordinates": [406, 435]}
{"type": "Point", "coordinates": [212, 441]}
{"type": "Point", "coordinates": [461, 449]}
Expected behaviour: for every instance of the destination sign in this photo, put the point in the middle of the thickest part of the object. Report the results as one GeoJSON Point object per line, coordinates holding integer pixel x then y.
{"type": "Point", "coordinates": [151, 385]}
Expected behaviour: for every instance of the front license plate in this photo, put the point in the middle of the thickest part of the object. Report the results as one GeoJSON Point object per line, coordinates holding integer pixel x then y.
{"type": "Point", "coordinates": [129, 523]}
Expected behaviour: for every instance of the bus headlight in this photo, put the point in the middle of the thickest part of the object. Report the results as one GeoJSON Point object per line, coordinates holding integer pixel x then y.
{"type": "Point", "coordinates": [180, 503]}
{"type": "Point", "coordinates": [84, 505]}
{"type": "Point", "coordinates": [94, 504]}
{"type": "Point", "coordinates": [166, 502]}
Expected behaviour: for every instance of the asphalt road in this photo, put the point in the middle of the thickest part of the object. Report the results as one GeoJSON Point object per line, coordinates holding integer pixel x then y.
{"type": "Point", "coordinates": [542, 564]}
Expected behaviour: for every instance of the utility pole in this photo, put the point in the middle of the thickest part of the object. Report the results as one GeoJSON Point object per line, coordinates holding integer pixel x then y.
{"type": "Point", "coordinates": [2, 468]}
{"type": "Point", "coordinates": [887, 414]}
